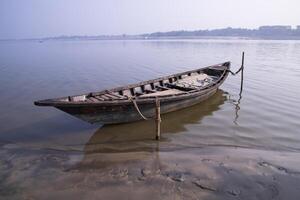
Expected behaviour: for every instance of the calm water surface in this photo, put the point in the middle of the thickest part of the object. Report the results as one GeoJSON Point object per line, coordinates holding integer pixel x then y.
{"type": "Point", "coordinates": [265, 117]}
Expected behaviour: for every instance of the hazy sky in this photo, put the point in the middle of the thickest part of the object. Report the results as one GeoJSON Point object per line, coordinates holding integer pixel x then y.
{"type": "Point", "coordinates": [41, 18]}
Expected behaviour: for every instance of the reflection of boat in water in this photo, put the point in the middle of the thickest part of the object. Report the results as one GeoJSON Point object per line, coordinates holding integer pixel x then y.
{"type": "Point", "coordinates": [132, 142]}
{"type": "Point", "coordinates": [119, 138]}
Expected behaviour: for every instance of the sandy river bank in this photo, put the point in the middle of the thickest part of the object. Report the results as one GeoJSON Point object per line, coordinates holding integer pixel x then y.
{"type": "Point", "coordinates": [162, 173]}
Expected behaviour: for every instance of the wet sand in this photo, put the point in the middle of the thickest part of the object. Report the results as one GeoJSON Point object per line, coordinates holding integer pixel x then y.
{"type": "Point", "coordinates": [187, 173]}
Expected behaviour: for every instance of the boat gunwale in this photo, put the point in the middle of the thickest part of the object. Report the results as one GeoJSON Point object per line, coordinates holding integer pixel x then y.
{"type": "Point", "coordinates": [57, 103]}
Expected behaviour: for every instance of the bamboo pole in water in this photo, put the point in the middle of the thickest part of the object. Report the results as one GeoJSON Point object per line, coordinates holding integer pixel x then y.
{"type": "Point", "coordinates": [157, 119]}
{"type": "Point", "coordinates": [242, 75]}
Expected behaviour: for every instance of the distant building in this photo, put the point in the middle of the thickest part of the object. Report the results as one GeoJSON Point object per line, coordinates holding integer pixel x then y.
{"type": "Point", "coordinates": [298, 27]}
{"type": "Point", "coordinates": [275, 28]}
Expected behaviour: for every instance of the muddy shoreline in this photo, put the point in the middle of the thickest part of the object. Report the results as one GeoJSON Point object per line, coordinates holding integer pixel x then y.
{"type": "Point", "coordinates": [197, 173]}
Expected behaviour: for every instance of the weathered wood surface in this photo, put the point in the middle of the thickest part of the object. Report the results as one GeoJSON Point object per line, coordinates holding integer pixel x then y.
{"type": "Point", "coordinates": [115, 105]}
{"type": "Point", "coordinates": [158, 118]}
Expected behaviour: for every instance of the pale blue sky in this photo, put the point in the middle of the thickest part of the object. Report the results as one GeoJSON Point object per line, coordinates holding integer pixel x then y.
{"type": "Point", "coordinates": [42, 18]}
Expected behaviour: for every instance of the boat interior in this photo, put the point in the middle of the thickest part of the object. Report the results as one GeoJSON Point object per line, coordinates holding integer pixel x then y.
{"type": "Point", "coordinates": [167, 86]}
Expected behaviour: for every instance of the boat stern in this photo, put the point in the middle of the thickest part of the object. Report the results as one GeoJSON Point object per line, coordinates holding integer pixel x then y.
{"type": "Point", "coordinates": [50, 102]}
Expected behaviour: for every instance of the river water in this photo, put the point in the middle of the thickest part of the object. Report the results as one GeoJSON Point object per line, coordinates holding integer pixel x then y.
{"type": "Point", "coordinates": [230, 146]}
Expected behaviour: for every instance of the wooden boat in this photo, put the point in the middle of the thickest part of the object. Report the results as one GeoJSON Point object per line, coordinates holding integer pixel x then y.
{"type": "Point", "coordinates": [129, 103]}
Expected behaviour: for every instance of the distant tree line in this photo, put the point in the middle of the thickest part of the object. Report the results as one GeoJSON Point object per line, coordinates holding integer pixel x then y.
{"type": "Point", "coordinates": [264, 31]}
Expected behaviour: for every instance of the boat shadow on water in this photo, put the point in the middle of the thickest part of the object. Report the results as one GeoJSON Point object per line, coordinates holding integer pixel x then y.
{"type": "Point", "coordinates": [140, 136]}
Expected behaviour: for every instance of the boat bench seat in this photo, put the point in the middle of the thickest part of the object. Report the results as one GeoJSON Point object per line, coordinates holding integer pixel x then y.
{"type": "Point", "coordinates": [163, 93]}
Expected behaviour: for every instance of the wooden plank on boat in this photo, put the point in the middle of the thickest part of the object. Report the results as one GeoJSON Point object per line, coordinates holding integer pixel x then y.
{"type": "Point", "coordinates": [88, 100]}
{"type": "Point", "coordinates": [99, 98]}
{"type": "Point", "coordinates": [164, 93]}
{"type": "Point", "coordinates": [111, 96]}
{"type": "Point", "coordinates": [105, 97]}
{"type": "Point", "coordinates": [162, 87]}
{"type": "Point", "coordinates": [93, 99]}
{"type": "Point", "coordinates": [150, 91]}
{"type": "Point", "coordinates": [117, 95]}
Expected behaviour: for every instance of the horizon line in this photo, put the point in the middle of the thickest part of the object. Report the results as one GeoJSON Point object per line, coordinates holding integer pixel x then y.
{"type": "Point", "coordinates": [295, 27]}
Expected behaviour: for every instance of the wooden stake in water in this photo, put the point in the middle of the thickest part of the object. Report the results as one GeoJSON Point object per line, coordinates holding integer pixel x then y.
{"type": "Point", "coordinates": [242, 75]}
{"type": "Point", "coordinates": [158, 119]}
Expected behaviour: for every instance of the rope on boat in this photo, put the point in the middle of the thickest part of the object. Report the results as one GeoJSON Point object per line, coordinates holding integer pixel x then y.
{"type": "Point", "coordinates": [157, 112]}
{"type": "Point", "coordinates": [238, 71]}
{"type": "Point", "coordinates": [137, 108]}
{"type": "Point", "coordinates": [241, 69]}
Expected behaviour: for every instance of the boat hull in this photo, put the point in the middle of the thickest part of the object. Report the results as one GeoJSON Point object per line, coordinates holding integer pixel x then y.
{"type": "Point", "coordinates": [122, 104]}
{"type": "Point", "coordinates": [117, 114]}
